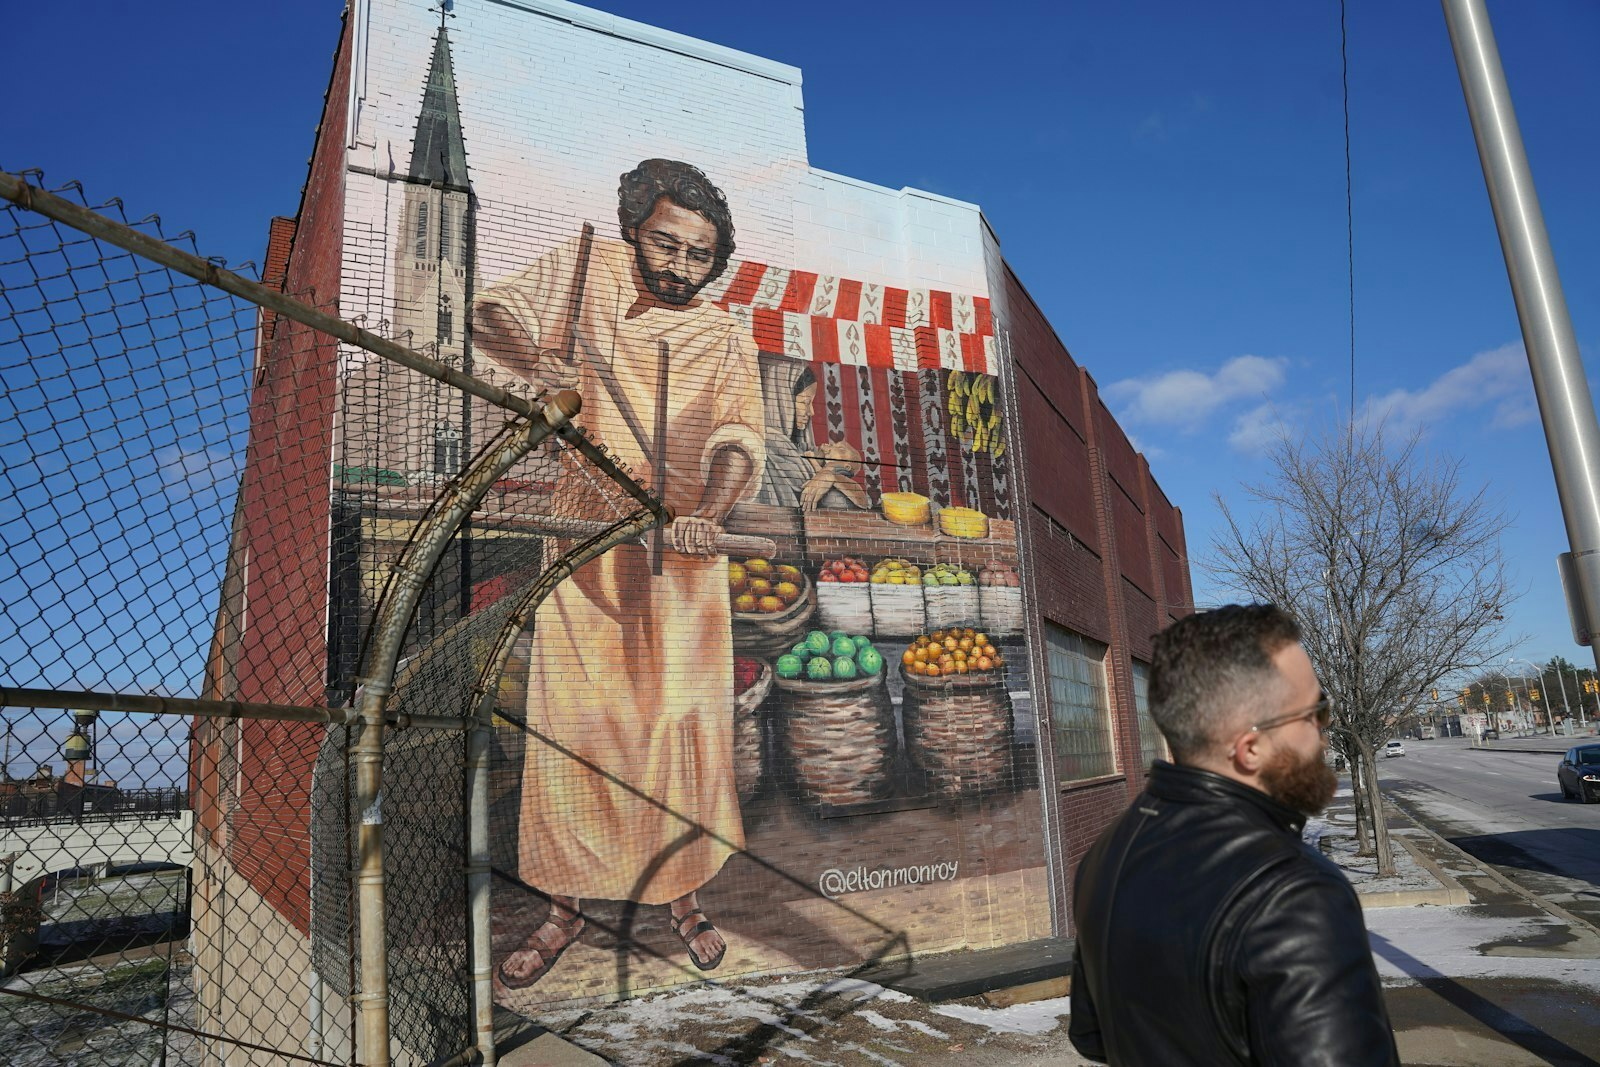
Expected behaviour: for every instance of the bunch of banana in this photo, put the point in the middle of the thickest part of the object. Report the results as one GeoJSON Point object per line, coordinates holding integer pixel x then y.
{"type": "Point", "coordinates": [975, 417]}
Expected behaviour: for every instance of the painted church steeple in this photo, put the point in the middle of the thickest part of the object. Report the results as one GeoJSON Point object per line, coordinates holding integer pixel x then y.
{"type": "Point", "coordinates": [438, 152]}
{"type": "Point", "coordinates": [432, 260]}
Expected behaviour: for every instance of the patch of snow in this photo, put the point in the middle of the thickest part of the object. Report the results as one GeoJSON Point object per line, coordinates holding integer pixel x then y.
{"type": "Point", "coordinates": [1039, 1017]}
{"type": "Point", "coordinates": [1410, 944]}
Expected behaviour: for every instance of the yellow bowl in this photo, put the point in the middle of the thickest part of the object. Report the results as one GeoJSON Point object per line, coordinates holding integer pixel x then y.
{"type": "Point", "coordinates": [906, 509]}
{"type": "Point", "coordinates": [963, 522]}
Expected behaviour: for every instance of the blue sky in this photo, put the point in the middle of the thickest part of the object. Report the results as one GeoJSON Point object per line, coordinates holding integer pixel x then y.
{"type": "Point", "coordinates": [1167, 178]}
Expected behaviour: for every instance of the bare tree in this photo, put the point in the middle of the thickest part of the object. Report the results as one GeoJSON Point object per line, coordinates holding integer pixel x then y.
{"type": "Point", "coordinates": [1393, 570]}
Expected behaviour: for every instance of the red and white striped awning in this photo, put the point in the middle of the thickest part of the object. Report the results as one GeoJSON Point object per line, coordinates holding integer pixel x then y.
{"type": "Point", "coordinates": [811, 316]}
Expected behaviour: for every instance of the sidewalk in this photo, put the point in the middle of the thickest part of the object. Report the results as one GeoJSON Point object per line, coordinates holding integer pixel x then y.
{"type": "Point", "coordinates": [1477, 973]}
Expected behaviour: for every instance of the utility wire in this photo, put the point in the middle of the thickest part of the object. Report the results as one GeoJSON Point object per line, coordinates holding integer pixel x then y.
{"type": "Point", "coordinates": [1349, 218]}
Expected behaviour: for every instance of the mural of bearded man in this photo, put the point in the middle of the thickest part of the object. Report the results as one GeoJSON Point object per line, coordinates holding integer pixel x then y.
{"type": "Point", "coordinates": [628, 789]}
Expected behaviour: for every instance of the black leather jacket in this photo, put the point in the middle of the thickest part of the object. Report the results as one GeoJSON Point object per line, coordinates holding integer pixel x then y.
{"type": "Point", "coordinates": [1208, 934]}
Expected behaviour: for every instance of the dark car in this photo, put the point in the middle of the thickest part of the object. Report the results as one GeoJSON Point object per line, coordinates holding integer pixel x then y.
{"type": "Point", "coordinates": [1579, 774]}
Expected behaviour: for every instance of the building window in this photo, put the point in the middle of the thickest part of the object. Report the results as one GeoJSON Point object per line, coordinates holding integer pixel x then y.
{"type": "Point", "coordinates": [1152, 746]}
{"type": "Point", "coordinates": [422, 230]}
{"type": "Point", "coordinates": [446, 217]}
{"type": "Point", "coordinates": [447, 320]}
{"type": "Point", "coordinates": [1080, 715]}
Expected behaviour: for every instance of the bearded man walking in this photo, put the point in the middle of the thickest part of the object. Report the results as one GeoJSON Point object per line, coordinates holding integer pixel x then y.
{"type": "Point", "coordinates": [1207, 932]}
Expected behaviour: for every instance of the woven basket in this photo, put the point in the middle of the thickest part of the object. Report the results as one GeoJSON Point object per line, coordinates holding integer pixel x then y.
{"type": "Point", "coordinates": [958, 729]}
{"type": "Point", "coordinates": [749, 748]}
{"type": "Point", "coordinates": [770, 636]}
{"type": "Point", "coordinates": [845, 606]}
{"type": "Point", "coordinates": [1000, 608]}
{"type": "Point", "coordinates": [899, 610]}
{"type": "Point", "coordinates": [951, 605]}
{"type": "Point", "coordinates": [840, 738]}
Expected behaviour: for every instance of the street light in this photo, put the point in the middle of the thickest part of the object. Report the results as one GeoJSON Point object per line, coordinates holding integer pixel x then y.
{"type": "Point", "coordinates": [1533, 694]}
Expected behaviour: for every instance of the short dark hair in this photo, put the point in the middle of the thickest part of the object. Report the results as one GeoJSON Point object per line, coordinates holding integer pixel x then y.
{"type": "Point", "coordinates": [685, 185]}
{"type": "Point", "coordinates": [1209, 668]}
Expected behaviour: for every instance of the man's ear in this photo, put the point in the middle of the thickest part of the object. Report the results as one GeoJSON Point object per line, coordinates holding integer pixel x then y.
{"type": "Point", "coordinates": [630, 234]}
{"type": "Point", "coordinates": [1247, 754]}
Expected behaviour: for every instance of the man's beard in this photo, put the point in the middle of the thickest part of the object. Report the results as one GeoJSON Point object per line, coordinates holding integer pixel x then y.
{"type": "Point", "coordinates": [668, 287]}
{"type": "Point", "coordinates": [1304, 784]}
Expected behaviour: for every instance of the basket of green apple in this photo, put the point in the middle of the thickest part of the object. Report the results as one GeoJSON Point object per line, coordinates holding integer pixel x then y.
{"type": "Point", "coordinates": [838, 721]}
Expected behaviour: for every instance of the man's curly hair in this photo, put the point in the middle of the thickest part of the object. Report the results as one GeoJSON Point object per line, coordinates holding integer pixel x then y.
{"type": "Point", "coordinates": [688, 187]}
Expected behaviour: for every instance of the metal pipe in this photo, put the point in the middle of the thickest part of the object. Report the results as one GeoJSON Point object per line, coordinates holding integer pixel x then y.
{"type": "Point", "coordinates": [1565, 405]}
{"type": "Point", "coordinates": [126, 237]}
{"type": "Point", "coordinates": [410, 575]}
{"type": "Point", "coordinates": [477, 874]}
{"type": "Point", "coordinates": [575, 436]}
{"type": "Point", "coordinates": [211, 709]}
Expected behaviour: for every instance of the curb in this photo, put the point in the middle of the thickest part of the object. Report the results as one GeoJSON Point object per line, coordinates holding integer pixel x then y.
{"type": "Point", "coordinates": [1450, 894]}
{"type": "Point", "coordinates": [1489, 872]}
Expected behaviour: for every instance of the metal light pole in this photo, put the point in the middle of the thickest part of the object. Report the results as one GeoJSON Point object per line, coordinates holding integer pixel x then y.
{"type": "Point", "coordinates": [1565, 405]}
{"type": "Point", "coordinates": [1529, 691]}
{"type": "Point", "coordinates": [1566, 701]}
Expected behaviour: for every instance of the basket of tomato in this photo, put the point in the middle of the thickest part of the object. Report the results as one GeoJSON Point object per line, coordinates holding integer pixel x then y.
{"type": "Point", "coordinates": [752, 681]}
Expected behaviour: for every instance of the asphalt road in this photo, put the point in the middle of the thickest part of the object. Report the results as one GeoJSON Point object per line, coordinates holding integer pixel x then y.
{"type": "Point", "coordinates": [1504, 807]}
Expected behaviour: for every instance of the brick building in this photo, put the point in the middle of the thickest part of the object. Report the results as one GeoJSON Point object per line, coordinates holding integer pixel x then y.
{"type": "Point", "coordinates": [884, 389]}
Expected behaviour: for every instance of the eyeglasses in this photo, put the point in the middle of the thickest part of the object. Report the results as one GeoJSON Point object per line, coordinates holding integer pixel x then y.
{"type": "Point", "coordinates": [1322, 711]}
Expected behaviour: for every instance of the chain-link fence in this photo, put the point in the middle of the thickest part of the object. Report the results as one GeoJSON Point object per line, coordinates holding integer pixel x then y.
{"type": "Point", "coordinates": [262, 573]}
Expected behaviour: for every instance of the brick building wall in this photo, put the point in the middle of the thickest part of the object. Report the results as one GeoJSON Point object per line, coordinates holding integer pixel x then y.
{"type": "Point", "coordinates": [897, 307]}
{"type": "Point", "coordinates": [275, 594]}
{"type": "Point", "coordinates": [1106, 551]}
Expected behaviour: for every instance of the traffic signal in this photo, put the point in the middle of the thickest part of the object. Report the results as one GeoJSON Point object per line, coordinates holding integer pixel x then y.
{"type": "Point", "coordinates": [1533, 694]}
{"type": "Point", "coordinates": [1436, 696]}
{"type": "Point", "coordinates": [1461, 698]}
{"type": "Point", "coordinates": [1485, 697]}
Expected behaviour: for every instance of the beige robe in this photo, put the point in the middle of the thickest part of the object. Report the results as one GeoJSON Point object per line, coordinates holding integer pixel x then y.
{"type": "Point", "coordinates": [633, 672]}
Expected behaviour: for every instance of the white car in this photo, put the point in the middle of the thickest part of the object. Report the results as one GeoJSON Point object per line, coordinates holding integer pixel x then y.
{"type": "Point", "coordinates": [1393, 749]}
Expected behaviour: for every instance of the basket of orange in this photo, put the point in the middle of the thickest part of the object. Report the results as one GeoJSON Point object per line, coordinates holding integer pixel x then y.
{"type": "Point", "coordinates": [772, 604]}
{"type": "Point", "coordinates": [957, 711]}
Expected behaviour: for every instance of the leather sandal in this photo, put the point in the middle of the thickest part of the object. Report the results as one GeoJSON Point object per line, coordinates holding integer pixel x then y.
{"type": "Point", "coordinates": [688, 936]}
{"type": "Point", "coordinates": [572, 927]}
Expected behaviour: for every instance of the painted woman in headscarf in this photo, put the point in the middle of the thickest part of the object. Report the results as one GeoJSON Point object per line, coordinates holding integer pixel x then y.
{"type": "Point", "coordinates": [798, 473]}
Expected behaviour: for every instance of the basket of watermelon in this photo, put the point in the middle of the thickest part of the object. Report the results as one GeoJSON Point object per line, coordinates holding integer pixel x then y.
{"type": "Point", "coordinates": [838, 721]}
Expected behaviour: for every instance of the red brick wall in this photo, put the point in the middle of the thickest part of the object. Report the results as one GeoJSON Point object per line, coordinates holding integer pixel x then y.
{"type": "Point", "coordinates": [285, 515]}
{"type": "Point", "coordinates": [1105, 548]}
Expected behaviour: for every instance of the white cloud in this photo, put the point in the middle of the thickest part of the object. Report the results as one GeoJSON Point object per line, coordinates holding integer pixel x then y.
{"type": "Point", "coordinates": [1497, 378]}
{"type": "Point", "coordinates": [1186, 398]}
{"type": "Point", "coordinates": [1149, 451]}
{"type": "Point", "coordinates": [1260, 427]}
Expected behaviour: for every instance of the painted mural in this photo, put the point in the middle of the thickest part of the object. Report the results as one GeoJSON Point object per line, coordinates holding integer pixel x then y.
{"type": "Point", "coordinates": [793, 728]}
